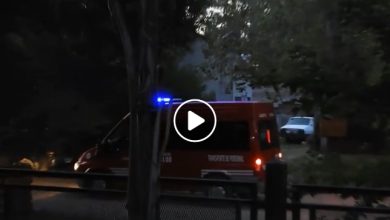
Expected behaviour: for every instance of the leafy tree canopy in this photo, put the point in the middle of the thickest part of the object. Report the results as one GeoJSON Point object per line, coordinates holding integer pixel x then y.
{"type": "Point", "coordinates": [63, 77]}
{"type": "Point", "coordinates": [334, 53]}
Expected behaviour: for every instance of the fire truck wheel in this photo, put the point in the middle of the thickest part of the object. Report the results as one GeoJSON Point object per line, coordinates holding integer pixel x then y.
{"type": "Point", "coordinates": [95, 184]}
{"type": "Point", "coordinates": [219, 191]}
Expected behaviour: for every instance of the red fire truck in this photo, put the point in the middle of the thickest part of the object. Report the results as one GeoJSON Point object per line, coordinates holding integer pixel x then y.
{"type": "Point", "coordinates": [245, 138]}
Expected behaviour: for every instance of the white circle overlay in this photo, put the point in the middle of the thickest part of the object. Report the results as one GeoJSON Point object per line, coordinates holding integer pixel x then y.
{"type": "Point", "coordinates": [212, 130]}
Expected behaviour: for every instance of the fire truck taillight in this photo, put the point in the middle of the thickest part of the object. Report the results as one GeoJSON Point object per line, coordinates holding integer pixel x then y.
{"type": "Point", "coordinates": [258, 164]}
{"type": "Point", "coordinates": [268, 136]}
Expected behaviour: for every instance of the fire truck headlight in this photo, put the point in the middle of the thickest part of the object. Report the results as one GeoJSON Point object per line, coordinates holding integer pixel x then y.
{"type": "Point", "coordinates": [76, 166]}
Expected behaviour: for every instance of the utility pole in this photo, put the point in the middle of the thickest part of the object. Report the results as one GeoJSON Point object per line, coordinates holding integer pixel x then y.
{"type": "Point", "coordinates": [140, 56]}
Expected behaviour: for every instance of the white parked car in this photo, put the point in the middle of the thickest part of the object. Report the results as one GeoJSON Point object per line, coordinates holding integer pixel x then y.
{"type": "Point", "coordinates": [297, 129]}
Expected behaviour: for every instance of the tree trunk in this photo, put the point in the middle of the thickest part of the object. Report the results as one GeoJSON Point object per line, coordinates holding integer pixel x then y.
{"type": "Point", "coordinates": [141, 71]}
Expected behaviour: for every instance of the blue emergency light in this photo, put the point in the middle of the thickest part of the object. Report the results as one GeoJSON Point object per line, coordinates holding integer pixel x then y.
{"type": "Point", "coordinates": [162, 99]}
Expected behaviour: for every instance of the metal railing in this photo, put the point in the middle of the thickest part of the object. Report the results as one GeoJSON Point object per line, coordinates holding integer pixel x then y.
{"type": "Point", "coordinates": [194, 205]}
{"type": "Point", "coordinates": [234, 201]}
{"type": "Point", "coordinates": [299, 190]}
{"type": "Point", "coordinates": [9, 181]}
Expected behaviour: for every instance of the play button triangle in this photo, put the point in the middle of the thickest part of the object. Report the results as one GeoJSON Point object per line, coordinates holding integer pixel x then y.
{"type": "Point", "coordinates": [193, 120]}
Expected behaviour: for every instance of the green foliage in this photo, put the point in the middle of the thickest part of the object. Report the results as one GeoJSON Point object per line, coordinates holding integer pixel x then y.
{"type": "Point", "coordinates": [305, 45]}
{"type": "Point", "coordinates": [63, 81]}
{"type": "Point", "coordinates": [341, 170]}
{"type": "Point", "coordinates": [182, 81]}
{"type": "Point", "coordinates": [335, 54]}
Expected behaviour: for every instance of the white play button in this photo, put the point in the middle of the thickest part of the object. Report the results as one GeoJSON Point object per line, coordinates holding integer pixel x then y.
{"type": "Point", "coordinates": [191, 114]}
{"type": "Point", "coordinates": [193, 120]}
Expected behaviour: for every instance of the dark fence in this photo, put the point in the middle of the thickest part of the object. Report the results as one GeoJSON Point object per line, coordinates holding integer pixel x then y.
{"type": "Point", "coordinates": [278, 200]}
{"type": "Point", "coordinates": [238, 197]}
{"type": "Point", "coordinates": [183, 198]}
{"type": "Point", "coordinates": [174, 204]}
{"type": "Point", "coordinates": [298, 191]}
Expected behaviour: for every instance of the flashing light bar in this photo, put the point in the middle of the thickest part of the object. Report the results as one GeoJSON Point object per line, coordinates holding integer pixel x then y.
{"type": "Point", "coordinates": [163, 99]}
{"type": "Point", "coordinates": [160, 99]}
